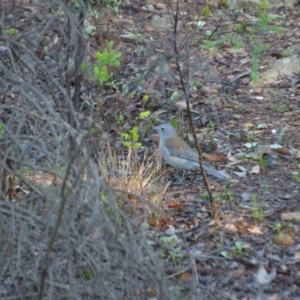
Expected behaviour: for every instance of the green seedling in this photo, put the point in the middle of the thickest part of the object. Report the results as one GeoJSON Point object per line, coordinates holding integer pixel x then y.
{"type": "Point", "coordinates": [211, 100]}
{"type": "Point", "coordinates": [296, 176]}
{"type": "Point", "coordinates": [27, 171]}
{"type": "Point", "coordinates": [125, 91]}
{"type": "Point", "coordinates": [242, 27]}
{"type": "Point", "coordinates": [278, 237]}
{"type": "Point", "coordinates": [281, 134]}
{"type": "Point", "coordinates": [175, 124]}
{"type": "Point", "coordinates": [120, 119]}
{"type": "Point", "coordinates": [263, 162]}
{"type": "Point", "coordinates": [105, 60]}
{"type": "Point", "coordinates": [254, 69]}
{"type": "Point", "coordinates": [264, 20]}
{"type": "Point", "coordinates": [145, 98]}
{"type": "Point", "coordinates": [109, 210]}
{"type": "Point", "coordinates": [206, 12]}
{"type": "Point", "coordinates": [90, 30]}
{"type": "Point", "coordinates": [93, 130]}
{"type": "Point", "coordinates": [212, 125]}
{"type": "Point", "coordinates": [10, 31]}
{"type": "Point", "coordinates": [175, 96]}
{"type": "Point", "coordinates": [194, 85]}
{"type": "Point", "coordinates": [281, 108]}
{"type": "Point", "coordinates": [287, 53]}
{"type": "Point", "coordinates": [175, 256]}
{"type": "Point", "coordinates": [217, 45]}
{"type": "Point", "coordinates": [250, 145]}
{"type": "Point", "coordinates": [249, 137]}
{"type": "Point", "coordinates": [94, 13]}
{"type": "Point", "coordinates": [258, 49]}
{"type": "Point", "coordinates": [84, 66]}
{"type": "Point", "coordinates": [140, 50]}
{"type": "Point", "coordinates": [279, 30]}
{"type": "Point", "coordinates": [204, 196]}
{"type": "Point", "coordinates": [168, 240]}
{"type": "Point", "coordinates": [223, 3]}
{"type": "Point", "coordinates": [278, 226]}
{"type": "Point", "coordinates": [228, 41]}
{"type": "Point", "coordinates": [139, 38]}
{"type": "Point", "coordinates": [145, 114]}
{"type": "Point", "coordinates": [238, 248]}
{"type": "Point", "coordinates": [263, 6]}
{"type": "Point", "coordinates": [230, 195]}
{"type": "Point", "coordinates": [256, 210]}
{"type": "Point", "coordinates": [114, 5]}
{"type": "Point", "coordinates": [87, 274]}
{"type": "Point", "coordinates": [131, 139]}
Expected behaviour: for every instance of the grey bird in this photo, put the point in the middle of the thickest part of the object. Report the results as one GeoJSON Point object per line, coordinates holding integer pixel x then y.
{"type": "Point", "coordinates": [179, 154]}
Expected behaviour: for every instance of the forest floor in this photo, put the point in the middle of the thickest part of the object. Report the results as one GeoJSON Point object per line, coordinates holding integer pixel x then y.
{"type": "Point", "coordinates": [246, 127]}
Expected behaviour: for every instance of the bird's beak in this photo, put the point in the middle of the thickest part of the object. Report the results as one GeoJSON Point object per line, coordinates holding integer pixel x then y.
{"type": "Point", "coordinates": [154, 136]}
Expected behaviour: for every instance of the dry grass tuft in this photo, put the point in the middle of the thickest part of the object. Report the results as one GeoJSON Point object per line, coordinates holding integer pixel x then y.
{"type": "Point", "coordinates": [134, 175]}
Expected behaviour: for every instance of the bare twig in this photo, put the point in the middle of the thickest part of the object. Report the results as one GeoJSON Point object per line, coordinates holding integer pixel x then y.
{"type": "Point", "coordinates": [185, 87]}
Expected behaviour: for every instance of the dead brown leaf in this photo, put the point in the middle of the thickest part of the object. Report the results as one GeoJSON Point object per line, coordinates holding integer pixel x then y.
{"type": "Point", "coordinates": [214, 157]}
{"type": "Point", "coordinates": [186, 276]}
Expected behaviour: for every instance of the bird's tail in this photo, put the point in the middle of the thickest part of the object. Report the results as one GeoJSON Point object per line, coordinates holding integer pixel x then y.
{"type": "Point", "coordinates": [215, 173]}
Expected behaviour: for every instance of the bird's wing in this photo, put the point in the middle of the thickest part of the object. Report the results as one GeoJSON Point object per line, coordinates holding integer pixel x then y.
{"type": "Point", "coordinates": [184, 151]}
{"type": "Point", "coordinates": [185, 154]}
{"type": "Point", "coordinates": [179, 148]}
{"type": "Point", "coordinates": [192, 156]}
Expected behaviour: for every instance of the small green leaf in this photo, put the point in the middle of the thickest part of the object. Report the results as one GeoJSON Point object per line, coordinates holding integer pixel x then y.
{"type": "Point", "coordinates": [175, 123]}
{"type": "Point", "coordinates": [144, 114]}
{"type": "Point", "coordinates": [10, 31]}
{"type": "Point", "coordinates": [145, 97]}
{"type": "Point", "coordinates": [238, 246]}
{"type": "Point", "coordinates": [1, 129]}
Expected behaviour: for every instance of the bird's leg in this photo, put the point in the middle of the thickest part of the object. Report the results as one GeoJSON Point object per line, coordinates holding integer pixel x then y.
{"type": "Point", "coordinates": [183, 175]}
